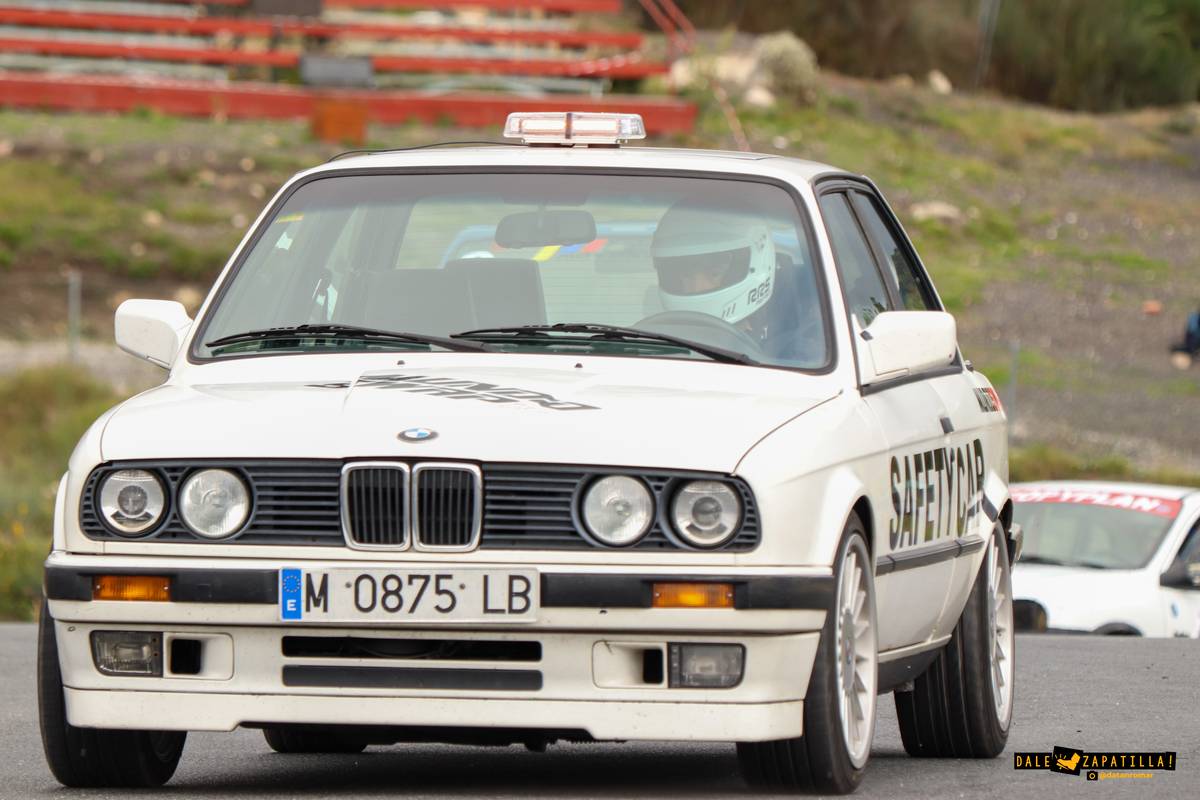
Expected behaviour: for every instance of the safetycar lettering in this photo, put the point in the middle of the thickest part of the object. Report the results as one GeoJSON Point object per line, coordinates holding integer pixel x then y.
{"type": "Point", "coordinates": [466, 389]}
{"type": "Point", "coordinates": [988, 400]}
{"type": "Point", "coordinates": [1159, 506]}
{"type": "Point", "coordinates": [935, 493]}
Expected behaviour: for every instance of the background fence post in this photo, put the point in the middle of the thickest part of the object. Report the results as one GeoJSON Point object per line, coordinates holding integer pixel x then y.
{"type": "Point", "coordinates": [74, 310]}
{"type": "Point", "coordinates": [989, 13]}
{"type": "Point", "coordinates": [1011, 404]}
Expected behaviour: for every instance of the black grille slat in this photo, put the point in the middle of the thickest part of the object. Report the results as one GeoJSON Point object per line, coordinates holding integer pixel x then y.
{"type": "Point", "coordinates": [531, 508]}
{"type": "Point", "coordinates": [446, 506]}
{"type": "Point", "coordinates": [525, 507]}
{"type": "Point", "coordinates": [294, 502]}
{"type": "Point", "coordinates": [376, 505]}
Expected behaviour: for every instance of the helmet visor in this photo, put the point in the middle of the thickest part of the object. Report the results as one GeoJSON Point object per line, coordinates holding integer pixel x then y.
{"type": "Point", "coordinates": [702, 273]}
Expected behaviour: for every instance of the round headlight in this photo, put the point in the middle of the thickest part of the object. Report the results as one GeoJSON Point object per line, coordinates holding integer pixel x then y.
{"type": "Point", "coordinates": [706, 513]}
{"type": "Point", "coordinates": [214, 503]}
{"type": "Point", "coordinates": [618, 510]}
{"type": "Point", "coordinates": [132, 501]}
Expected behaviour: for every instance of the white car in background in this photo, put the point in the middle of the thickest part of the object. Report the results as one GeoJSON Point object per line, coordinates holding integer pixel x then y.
{"type": "Point", "coordinates": [513, 444]}
{"type": "Point", "coordinates": [1108, 558]}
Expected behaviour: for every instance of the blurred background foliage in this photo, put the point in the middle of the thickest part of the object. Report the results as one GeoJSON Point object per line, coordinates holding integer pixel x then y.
{"type": "Point", "coordinates": [43, 412]}
{"type": "Point", "coordinates": [1095, 55]}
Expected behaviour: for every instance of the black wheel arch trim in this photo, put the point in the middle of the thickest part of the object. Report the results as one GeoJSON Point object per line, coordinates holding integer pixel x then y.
{"type": "Point", "coordinates": [897, 672]}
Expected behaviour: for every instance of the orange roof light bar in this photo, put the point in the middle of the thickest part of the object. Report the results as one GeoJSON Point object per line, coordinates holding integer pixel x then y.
{"type": "Point", "coordinates": [693, 595]}
{"type": "Point", "coordinates": [151, 588]}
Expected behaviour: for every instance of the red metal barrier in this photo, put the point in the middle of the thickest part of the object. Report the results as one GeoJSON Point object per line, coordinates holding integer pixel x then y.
{"type": "Point", "coordinates": [258, 101]}
{"type": "Point", "coordinates": [573, 6]}
{"type": "Point", "coordinates": [191, 55]}
{"type": "Point", "coordinates": [253, 26]}
{"type": "Point", "coordinates": [621, 66]}
{"type": "Point", "coordinates": [576, 6]}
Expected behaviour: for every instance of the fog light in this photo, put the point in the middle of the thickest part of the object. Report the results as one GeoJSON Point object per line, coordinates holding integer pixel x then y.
{"type": "Point", "coordinates": [127, 652]}
{"type": "Point", "coordinates": [706, 666]}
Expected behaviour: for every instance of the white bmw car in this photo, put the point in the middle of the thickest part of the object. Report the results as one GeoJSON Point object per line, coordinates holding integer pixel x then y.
{"type": "Point", "coordinates": [554, 440]}
{"type": "Point", "coordinates": [1120, 559]}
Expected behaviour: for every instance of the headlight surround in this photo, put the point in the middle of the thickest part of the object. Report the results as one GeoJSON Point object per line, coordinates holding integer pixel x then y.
{"type": "Point", "coordinates": [214, 503]}
{"type": "Point", "coordinates": [706, 514]}
{"type": "Point", "coordinates": [617, 510]}
{"type": "Point", "coordinates": [132, 501]}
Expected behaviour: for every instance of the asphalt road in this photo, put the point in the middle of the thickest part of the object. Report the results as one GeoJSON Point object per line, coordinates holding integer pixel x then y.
{"type": "Point", "coordinates": [1090, 693]}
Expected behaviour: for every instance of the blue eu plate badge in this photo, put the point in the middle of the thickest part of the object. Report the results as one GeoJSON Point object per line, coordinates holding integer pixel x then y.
{"type": "Point", "coordinates": [290, 581]}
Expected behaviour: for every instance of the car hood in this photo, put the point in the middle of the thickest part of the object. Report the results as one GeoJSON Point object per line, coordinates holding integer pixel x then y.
{"type": "Point", "coordinates": [1077, 598]}
{"type": "Point", "coordinates": [643, 412]}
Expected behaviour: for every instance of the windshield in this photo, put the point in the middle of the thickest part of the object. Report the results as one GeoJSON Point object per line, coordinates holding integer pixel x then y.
{"type": "Point", "coordinates": [1092, 529]}
{"type": "Point", "coordinates": [720, 263]}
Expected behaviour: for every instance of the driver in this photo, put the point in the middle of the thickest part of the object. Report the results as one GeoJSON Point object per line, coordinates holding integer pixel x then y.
{"type": "Point", "coordinates": [715, 261]}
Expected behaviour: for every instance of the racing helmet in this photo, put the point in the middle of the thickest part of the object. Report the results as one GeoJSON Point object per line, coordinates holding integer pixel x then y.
{"type": "Point", "coordinates": [713, 260]}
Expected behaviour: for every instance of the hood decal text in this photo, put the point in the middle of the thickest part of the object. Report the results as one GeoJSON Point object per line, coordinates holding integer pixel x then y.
{"type": "Point", "coordinates": [464, 389]}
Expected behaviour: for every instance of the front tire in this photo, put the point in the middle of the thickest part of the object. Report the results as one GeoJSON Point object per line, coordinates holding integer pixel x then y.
{"type": "Point", "coordinates": [87, 758]}
{"type": "Point", "coordinates": [961, 707]}
{"type": "Point", "coordinates": [839, 708]}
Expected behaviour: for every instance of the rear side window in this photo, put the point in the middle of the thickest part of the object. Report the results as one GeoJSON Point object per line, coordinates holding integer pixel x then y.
{"type": "Point", "coordinates": [862, 285]}
{"type": "Point", "coordinates": [895, 256]}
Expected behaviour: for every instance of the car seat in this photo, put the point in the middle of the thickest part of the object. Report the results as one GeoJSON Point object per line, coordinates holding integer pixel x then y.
{"type": "Point", "coordinates": [430, 301]}
{"type": "Point", "coordinates": [502, 291]}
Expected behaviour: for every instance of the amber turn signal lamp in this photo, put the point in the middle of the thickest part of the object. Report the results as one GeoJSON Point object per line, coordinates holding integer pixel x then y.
{"type": "Point", "coordinates": [131, 587]}
{"type": "Point", "coordinates": [693, 595]}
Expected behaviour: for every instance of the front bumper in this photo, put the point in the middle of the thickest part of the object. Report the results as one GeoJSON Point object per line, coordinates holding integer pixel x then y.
{"type": "Point", "coordinates": [593, 621]}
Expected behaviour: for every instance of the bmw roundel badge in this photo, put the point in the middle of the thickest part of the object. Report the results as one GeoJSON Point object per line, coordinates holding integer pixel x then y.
{"type": "Point", "coordinates": [418, 435]}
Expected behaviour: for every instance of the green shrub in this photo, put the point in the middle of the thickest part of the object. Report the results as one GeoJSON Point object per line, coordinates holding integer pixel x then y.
{"type": "Point", "coordinates": [1097, 55]}
{"type": "Point", "coordinates": [1041, 462]}
{"type": "Point", "coordinates": [1081, 54]}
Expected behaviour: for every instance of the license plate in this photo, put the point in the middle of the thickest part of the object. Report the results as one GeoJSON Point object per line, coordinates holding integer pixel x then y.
{"type": "Point", "coordinates": [406, 596]}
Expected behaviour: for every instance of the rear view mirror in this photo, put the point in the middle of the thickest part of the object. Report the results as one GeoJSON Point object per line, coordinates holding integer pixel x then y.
{"type": "Point", "coordinates": [152, 329]}
{"type": "Point", "coordinates": [541, 228]}
{"type": "Point", "coordinates": [899, 343]}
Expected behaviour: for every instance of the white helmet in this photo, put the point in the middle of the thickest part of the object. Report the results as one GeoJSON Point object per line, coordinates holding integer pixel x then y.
{"type": "Point", "coordinates": [713, 260]}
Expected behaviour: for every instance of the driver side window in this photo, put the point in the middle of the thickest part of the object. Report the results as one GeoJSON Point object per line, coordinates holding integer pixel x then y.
{"type": "Point", "coordinates": [1189, 551]}
{"type": "Point", "coordinates": [862, 284]}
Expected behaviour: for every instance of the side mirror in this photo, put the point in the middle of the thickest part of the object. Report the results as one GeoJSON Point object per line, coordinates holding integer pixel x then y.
{"type": "Point", "coordinates": [1182, 575]}
{"type": "Point", "coordinates": [899, 343]}
{"type": "Point", "coordinates": [152, 329]}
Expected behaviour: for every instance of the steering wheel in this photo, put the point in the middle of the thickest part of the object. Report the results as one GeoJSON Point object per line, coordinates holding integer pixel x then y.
{"type": "Point", "coordinates": [728, 336]}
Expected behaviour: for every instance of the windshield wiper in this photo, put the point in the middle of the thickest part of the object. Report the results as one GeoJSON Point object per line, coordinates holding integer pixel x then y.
{"type": "Point", "coordinates": [615, 333]}
{"type": "Point", "coordinates": [348, 331]}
